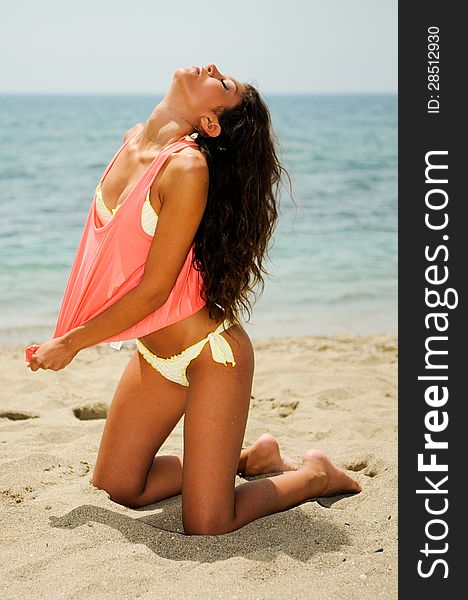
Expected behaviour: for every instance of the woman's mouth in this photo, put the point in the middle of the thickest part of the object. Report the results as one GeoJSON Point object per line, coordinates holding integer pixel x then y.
{"type": "Point", "coordinates": [198, 69]}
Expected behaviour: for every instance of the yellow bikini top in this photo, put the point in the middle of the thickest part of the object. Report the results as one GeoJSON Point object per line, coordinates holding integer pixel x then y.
{"type": "Point", "coordinates": [148, 214]}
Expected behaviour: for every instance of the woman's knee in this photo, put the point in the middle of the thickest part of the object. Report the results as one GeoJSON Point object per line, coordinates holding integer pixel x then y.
{"type": "Point", "coordinates": [206, 522]}
{"type": "Point", "coordinates": [118, 494]}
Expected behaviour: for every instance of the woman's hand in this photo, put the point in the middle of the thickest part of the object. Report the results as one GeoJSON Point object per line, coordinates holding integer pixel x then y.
{"type": "Point", "coordinates": [55, 354]}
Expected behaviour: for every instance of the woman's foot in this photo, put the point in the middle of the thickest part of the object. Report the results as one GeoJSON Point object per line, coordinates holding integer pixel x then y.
{"type": "Point", "coordinates": [326, 479]}
{"type": "Point", "coordinates": [264, 456]}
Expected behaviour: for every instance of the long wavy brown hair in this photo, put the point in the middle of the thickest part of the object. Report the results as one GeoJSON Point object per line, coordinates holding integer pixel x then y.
{"type": "Point", "coordinates": [233, 239]}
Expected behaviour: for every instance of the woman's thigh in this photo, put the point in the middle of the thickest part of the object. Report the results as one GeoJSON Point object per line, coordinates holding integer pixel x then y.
{"type": "Point", "coordinates": [145, 409]}
{"type": "Point", "coordinates": [214, 425]}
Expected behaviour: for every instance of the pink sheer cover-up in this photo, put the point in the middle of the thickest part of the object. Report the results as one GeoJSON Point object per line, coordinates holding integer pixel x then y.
{"type": "Point", "coordinates": [110, 261]}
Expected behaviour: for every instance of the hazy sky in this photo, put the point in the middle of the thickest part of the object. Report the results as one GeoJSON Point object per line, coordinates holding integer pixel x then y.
{"type": "Point", "coordinates": [134, 46]}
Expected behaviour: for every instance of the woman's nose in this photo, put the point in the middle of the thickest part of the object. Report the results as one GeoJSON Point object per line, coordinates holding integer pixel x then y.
{"type": "Point", "coordinates": [212, 70]}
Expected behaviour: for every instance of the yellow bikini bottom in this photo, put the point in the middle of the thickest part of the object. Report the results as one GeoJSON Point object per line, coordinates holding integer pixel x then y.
{"type": "Point", "coordinates": [175, 367]}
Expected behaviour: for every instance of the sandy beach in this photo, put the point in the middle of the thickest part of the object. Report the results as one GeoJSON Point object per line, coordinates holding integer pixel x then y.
{"type": "Point", "coordinates": [63, 538]}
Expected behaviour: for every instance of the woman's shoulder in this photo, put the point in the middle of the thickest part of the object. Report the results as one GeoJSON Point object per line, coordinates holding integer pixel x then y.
{"type": "Point", "coordinates": [187, 161]}
{"type": "Point", "coordinates": [185, 170]}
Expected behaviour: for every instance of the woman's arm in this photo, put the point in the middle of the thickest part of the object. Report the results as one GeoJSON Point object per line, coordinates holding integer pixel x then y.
{"type": "Point", "coordinates": [183, 194]}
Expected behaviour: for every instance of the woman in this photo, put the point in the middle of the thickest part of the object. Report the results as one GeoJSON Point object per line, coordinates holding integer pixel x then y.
{"type": "Point", "coordinates": [214, 201]}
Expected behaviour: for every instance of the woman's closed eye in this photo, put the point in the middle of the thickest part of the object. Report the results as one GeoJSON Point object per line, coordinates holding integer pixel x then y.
{"type": "Point", "coordinates": [224, 85]}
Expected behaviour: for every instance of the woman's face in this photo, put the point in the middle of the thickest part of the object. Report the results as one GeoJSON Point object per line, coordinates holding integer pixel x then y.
{"type": "Point", "coordinates": [207, 88]}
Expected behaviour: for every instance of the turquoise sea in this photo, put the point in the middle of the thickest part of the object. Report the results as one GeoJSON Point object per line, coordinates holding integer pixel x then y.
{"type": "Point", "coordinates": [334, 258]}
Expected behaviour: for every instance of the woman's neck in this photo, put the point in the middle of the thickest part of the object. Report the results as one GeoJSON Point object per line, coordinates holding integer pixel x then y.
{"type": "Point", "coordinates": [165, 125]}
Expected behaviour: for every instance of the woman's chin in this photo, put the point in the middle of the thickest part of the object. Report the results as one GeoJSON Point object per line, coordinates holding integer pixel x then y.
{"type": "Point", "coordinates": [182, 72]}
